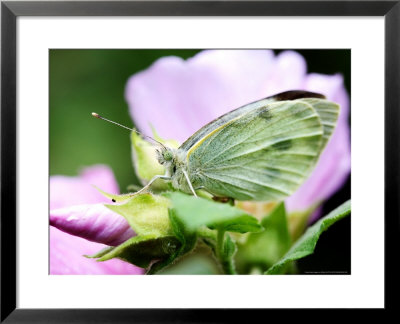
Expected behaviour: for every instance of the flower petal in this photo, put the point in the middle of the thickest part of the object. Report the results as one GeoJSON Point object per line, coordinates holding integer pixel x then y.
{"type": "Point", "coordinates": [178, 97]}
{"type": "Point", "coordinates": [66, 257]}
{"type": "Point", "coordinates": [93, 222]}
{"type": "Point", "coordinates": [334, 164]}
{"type": "Point", "coordinates": [289, 72]}
{"type": "Point", "coordinates": [66, 191]}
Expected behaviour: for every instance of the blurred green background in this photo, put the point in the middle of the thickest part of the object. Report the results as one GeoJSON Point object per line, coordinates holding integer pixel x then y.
{"type": "Point", "coordinates": [83, 81]}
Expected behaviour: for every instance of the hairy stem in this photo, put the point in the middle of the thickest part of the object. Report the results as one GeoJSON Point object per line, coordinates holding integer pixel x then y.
{"type": "Point", "coordinates": [226, 261]}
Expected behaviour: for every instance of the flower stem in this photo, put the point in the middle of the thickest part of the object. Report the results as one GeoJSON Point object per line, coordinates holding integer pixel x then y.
{"type": "Point", "coordinates": [220, 243]}
{"type": "Point", "coordinates": [228, 267]}
{"type": "Point", "coordinates": [226, 261]}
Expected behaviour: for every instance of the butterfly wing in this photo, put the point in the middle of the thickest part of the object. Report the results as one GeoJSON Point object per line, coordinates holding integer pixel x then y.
{"type": "Point", "coordinates": [223, 120]}
{"type": "Point", "coordinates": [328, 111]}
{"type": "Point", "coordinates": [262, 151]}
{"type": "Point", "coordinates": [309, 97]}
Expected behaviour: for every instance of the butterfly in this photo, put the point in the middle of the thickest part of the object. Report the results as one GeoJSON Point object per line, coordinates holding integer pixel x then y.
{"type": "Point", "coordinates": [262, 151]}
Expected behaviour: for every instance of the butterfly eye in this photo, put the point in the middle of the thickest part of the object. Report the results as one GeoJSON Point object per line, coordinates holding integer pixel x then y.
{"type": "Point", "coordinates": [167, 156]}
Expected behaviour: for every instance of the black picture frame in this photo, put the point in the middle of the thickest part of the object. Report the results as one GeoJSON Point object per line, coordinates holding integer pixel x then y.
{"type": "Point", "coordinates": [11, 10]}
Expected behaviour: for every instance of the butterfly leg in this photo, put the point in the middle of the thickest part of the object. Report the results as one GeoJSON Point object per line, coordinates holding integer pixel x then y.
{"type": "Point", "coordinates": [189, 183]}
{"type": "Point", "coordinates": [228, 200]}
{"type": "Point", "coordinates": [146, 187]}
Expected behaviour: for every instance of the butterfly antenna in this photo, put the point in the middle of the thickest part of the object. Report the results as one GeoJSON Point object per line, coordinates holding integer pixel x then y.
{"type": "Point", "coordinates": [96, 115]}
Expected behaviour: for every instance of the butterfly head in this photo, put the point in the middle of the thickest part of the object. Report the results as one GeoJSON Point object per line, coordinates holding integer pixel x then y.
{"type": "Point", "coordinates": [165, 156]}
{"type": "Point", "coordinates": [173, 160]}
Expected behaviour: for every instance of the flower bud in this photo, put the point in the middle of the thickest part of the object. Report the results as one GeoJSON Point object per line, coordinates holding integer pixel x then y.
{"type": "Point", "coordinates": [145, 160]}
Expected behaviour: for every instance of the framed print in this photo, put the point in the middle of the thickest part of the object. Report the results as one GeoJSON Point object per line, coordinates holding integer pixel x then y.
{"type": "Point", "coordinates": [163, 159]}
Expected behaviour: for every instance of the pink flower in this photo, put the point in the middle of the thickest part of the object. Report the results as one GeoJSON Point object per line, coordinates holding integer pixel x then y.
{"type": "Point", "coordinates": [75, 208]}
{"type": "Point", "coordinates": [178, 97]}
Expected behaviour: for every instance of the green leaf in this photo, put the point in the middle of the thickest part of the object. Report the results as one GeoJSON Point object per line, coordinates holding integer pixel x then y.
{"type": "Point", "coordinates": [263, 249]}
{"type": "Point", "coordinates": [143, 250]}
{"type": "Point", "coordinates": [306, 243]}
{"type": "Point", "coordinates": [146, 214]}
{"type": "Point", "coordinates": [195, 213]}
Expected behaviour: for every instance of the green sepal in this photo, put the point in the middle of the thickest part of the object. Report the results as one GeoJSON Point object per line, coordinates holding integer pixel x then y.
{"type": "Point", "coordinates": [187, 242]}
{"type": "Point", "coordinates": [146, 214]}
{"type": "Point", "coordinates": [100, 253]}
{"type": "Point", "coordinates": [144, 251]}
{"type": "Point", "coordinates": [169, 143]}
{"type": "Point", "coordinates": [115, 198]}
{"type": "Point", "coordinates": [188, 239]}
{"type": "Point", "coordinates": [145, 160]}
{"type": "Point", "coordinates": [305, 245]}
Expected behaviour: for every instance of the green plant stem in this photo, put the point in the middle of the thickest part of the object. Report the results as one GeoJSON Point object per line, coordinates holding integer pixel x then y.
{"type": "Point", "coordinates": [226, 262]}
{"type": "Point", "coordinates": [215, 240]}
{"type": "Point", "coordinates": [220, 243]}
{"type": "Point", "coordinates": [228, 267]}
